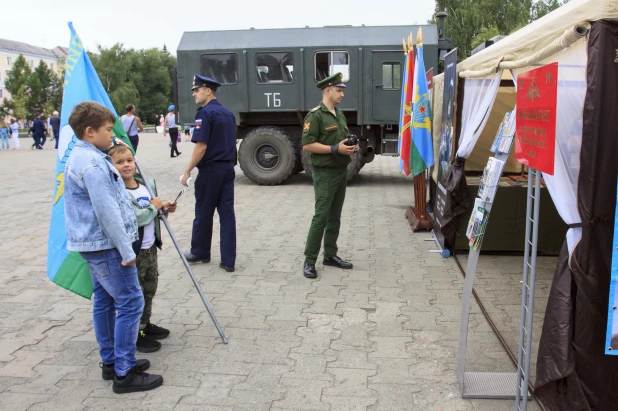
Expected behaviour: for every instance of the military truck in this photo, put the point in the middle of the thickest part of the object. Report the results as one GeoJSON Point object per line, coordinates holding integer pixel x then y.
{"type": "Point", "coordinates": [269, 80]}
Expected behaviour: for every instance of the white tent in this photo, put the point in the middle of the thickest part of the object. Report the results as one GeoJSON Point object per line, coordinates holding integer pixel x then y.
{"type": "Point", "coordinates": [572, 353]}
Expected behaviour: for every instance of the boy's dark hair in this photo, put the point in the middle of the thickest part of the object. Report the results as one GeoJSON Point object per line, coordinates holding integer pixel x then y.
{"type": "Point", "coordinates": [89, 114]}
{"type": "Point", "coordinates": [118, 149]}
{"type": "Point", "coordinates": [129, 107]}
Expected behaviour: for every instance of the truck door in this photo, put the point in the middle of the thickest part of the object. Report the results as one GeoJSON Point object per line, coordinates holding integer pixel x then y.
{"type": "Point", "coordinates": [273, 85]}
{"type": "Point", "coordinates": [387, 72]}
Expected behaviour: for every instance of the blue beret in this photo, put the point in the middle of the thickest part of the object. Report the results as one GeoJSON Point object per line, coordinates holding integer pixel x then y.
{"type": "Point", "coordinates": [201, 81]}
{"type": "Point", "coordinates": [171, 108]}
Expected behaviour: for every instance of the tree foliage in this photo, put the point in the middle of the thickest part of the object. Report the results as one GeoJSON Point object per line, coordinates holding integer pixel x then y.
{"type": "Point", "coordinates": [38, 91]}
{"type": "Point", "coordinates": [139, 77]}
{"type": "Point", "coordinates": [471, 22]}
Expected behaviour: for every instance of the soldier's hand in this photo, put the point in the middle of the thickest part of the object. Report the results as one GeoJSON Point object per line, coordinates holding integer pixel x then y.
{"type": "Point", "coordinates": [157, 203]}
{"type": "Point", "coordinates": [346, 150]}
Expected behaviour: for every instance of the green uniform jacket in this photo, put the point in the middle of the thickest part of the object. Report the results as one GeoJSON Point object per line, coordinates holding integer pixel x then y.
{"type": "Point", "coordinates": [323, 127]}
{"type": "Point", "coordinates": [147, 214]}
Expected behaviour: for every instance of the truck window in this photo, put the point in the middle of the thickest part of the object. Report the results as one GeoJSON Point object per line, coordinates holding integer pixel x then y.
{"type": "Point", "coordinates": [274, 67]}
{"type": "Point", "coordinates": [220, 67]}
{"type": "Point", "coordinates": [330, 62]}
{"type": "Point", "coordinates": [391, 76]}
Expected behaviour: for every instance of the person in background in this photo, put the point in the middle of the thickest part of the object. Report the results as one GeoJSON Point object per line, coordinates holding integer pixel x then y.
{"type": "Point", "coordinates": [4, 134]}
{"type": "Point", "coordinates": [15, 133]}
{"type": "Point", "coordinates": [170, 123]}
{"type": "Point", "coordinates": [38, 132]}
{"type": "Point", "coordinates": [132, 124]}
{"type": "Point", "coordinates": [55, 126]}
{"type": "Point", "coordinates": [48, 127]}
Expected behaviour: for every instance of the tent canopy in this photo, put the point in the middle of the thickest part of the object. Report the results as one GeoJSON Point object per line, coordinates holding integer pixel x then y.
{"type": "Point", "coordinates": [540, 33]}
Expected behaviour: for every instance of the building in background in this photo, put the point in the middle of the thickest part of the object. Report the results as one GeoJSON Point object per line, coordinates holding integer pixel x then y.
{"type": "Point", "coordinates": [10, 50]}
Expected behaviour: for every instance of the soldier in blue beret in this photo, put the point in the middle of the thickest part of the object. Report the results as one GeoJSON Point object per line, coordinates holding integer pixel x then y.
{"type": "Point", "coordinates": [214, 156]}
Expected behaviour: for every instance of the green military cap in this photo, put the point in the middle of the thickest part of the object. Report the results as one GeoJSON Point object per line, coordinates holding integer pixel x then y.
{"type": "Point", "coordinates": [335, 80]}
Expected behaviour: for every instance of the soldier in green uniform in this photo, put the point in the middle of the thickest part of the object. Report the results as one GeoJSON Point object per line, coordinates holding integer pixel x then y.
{"type": "Point", "coordinates": [324, 133]}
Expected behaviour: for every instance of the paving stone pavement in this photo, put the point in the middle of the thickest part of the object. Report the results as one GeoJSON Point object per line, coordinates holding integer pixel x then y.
{"type": "Point", "coordinates": [382, 336]}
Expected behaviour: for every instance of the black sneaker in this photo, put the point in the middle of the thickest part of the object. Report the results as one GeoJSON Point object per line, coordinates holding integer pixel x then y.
{"type": "Point", "coordinates": [107, 371]}
{"type": "Point", "coordinates": [156, 332]}
{"type": "Point", "coordinates": [136, 381]}
{"type": "Point", "coordinates": [228, 268]}
{"type": "Point", "coordinates": [146, 343]}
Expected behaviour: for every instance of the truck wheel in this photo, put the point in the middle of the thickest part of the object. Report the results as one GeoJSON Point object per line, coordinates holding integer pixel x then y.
{"type": "Point", "coordinates": [353, 168]}
{"type": "Point", "coordinates": [306, 163]}
{"type": "Point", "coordinates": [355, 165]}
{"type": "Point", "coordinates": [298, 164]}
{"type": "Point", "coordinates": [267, 156]}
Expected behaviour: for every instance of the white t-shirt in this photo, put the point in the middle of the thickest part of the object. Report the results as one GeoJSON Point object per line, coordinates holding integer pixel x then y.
{"type": "Point", "coordinates": [143, 199]}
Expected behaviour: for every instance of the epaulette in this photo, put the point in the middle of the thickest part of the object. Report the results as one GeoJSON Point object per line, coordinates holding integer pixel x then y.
{"type": "Point", "coordinates": [313, 110]}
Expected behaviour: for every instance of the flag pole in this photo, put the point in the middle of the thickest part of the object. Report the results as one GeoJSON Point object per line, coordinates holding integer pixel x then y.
{"type": "Point", "coordinates": [417, 215]}
{"type": "Point", "coordinates": [184, 260]}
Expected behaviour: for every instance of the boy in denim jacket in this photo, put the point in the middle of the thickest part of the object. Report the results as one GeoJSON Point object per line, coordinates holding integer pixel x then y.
{"type": "Point", "coordinates": [101, 226]}
{"type": "Point", "coordinates": [146, 210]}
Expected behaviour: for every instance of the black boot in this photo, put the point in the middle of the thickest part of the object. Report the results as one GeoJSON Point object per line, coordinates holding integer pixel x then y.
{"type": "Point", "coordinates": [195, 259]}
{"type": "Point", "coordinates": [156, 332]}
{"type": "Point", "coordinates": [107, 370]}
{"type": "Point", "coordinates": [337, 262]}
{"type": "Point", "coordinates": [136, 381]}
{"type": "Point", "coordinates": [309, 271]}
{"type": "Point", "coordinates": [146, 343]}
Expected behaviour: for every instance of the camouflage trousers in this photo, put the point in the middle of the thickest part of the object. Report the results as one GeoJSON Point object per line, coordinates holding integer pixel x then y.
{"type": "Point", "coordinates": [148, 273]}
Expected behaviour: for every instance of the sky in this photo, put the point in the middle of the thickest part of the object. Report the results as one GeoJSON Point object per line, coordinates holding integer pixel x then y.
{"type": "Point", "coordinates": [146, 24]}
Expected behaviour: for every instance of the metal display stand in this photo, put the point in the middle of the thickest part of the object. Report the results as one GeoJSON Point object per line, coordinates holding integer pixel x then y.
{"type": "Point", "coordinates": [489, 385]}
{"type": "Point", "coordinates": [527, 291]}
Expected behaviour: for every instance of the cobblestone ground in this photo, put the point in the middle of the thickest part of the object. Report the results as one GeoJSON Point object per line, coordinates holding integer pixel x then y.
{"type": "Point", "coordinates": [382, 336]}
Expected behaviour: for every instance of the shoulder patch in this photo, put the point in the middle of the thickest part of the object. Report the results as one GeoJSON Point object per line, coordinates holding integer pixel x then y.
{"type": "Point", "coordinates": [306, 126]}
{"type": "Point", "coordinates": [313, 110]}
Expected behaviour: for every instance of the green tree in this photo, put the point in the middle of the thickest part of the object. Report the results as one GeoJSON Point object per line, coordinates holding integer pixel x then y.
{"type": "Point", "coordinates": [139, 77]}
{"type": "Point", "coordinates": [40, 85]}
{"type": "Point", "coordinates": [543, 7]}
{"type": "Point", "coordinates": [471, 22]}
{"type": "Point", "coordinates": [17, 83]}
{"type": "Point", "coordinates": [151, 74]}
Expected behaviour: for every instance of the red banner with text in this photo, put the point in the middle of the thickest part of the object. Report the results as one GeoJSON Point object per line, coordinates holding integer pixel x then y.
{"type": "Point", "coordinates": [537, 92]}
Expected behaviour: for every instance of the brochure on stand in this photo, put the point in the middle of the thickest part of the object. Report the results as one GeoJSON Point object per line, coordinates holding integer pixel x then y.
{"type": "Point", "coordinates": [490, 179]}
{"type": "Point", "coordinates": [505, 134]}
{"type": "Point", "coordinates": [476, 225]}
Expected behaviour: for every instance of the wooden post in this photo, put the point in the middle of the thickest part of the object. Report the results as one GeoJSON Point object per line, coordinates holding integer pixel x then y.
{"type": "Point", "coordinates": [417, 215]}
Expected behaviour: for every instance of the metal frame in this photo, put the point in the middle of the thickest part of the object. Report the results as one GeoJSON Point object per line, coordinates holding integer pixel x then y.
{"type": "Point", "coordinates": [527, 291]}
{"type": "Point", "coordinates": [490, 385]}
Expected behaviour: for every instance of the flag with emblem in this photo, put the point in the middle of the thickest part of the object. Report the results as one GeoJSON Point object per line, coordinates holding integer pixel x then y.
{"type": "Point", "coordinates": [402, 109]}
{"type": "Point", "coordinates": [406, 111]}
{"type": "Point", "coordinates": [81, 83]}
{"type": "Point", "coordinates": [421, 152]}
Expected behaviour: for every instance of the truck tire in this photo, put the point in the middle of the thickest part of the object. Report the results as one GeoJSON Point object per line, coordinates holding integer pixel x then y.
{"type": "Point", "coordinates": [298, 165]}
{"type": "Point", "coordinates": [353, 168]}
{"type": "Point", "coordinates": [267, 156]}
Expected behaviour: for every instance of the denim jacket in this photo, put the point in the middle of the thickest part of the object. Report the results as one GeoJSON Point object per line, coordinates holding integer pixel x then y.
{"type": "Point", "coordinates": [97, 208]}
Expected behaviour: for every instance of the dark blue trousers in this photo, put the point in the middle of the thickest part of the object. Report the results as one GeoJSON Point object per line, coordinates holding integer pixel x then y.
{"type": "Point", "coordinates": [215, 190]}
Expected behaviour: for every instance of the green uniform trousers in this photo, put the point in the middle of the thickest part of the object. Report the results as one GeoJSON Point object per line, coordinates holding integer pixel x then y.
{"type": "Point", "coordinates": [329, 190]}
{"type": "Point", "coordinates": [148, 273]}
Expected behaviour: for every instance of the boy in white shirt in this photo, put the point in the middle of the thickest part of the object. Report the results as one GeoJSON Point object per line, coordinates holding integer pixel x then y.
{"type": "Point", "coordinates": [147, 213]}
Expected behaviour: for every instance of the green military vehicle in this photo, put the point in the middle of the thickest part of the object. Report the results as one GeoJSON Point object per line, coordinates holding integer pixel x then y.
{"type": "Point", "coordinates": [269, 82]}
